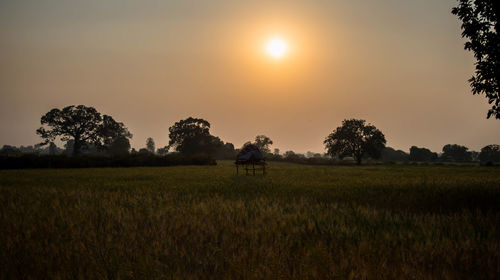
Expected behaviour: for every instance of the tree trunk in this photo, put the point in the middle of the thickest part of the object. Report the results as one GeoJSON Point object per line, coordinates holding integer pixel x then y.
{"type": "Point", "coordinates": [358, 160]}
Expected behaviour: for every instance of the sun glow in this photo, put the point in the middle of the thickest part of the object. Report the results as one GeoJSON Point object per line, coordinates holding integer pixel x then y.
{"type": "Point", "coordinates": [277, 48]}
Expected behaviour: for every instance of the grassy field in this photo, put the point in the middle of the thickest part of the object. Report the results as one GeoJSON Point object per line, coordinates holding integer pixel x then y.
{"type": "Point", "coordinates": [298, 222]}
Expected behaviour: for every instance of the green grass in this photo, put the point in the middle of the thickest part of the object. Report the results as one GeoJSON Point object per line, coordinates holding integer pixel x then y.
{"type": "Point", "coordinates": [204, 222]}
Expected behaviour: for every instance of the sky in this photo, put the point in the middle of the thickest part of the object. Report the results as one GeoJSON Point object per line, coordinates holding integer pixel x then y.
{"type": "Point", "coordinates": [398, 64]}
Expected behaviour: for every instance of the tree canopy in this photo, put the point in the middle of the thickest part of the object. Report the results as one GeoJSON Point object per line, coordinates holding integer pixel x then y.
{"type": "Point", "coordinates": [82, 125]}
{"type": "Point", "coordinates": [481, 27]}
{"type": "Point", "coordinates": [263, 142]}
{"type": "Point", "coordinates": [454, 152]}
{"type": "Point", "coordinates": [355, 138]}
{"type": "Point", "coordinates": [192, 136]}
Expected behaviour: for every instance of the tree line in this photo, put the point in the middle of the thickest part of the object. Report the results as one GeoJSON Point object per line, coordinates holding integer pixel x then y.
{"type": "Point", "coordinates": [86, 132]}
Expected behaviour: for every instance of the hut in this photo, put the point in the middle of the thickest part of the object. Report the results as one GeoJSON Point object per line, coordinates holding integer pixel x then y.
{"type": "Point", "coordinates": [250, 158]}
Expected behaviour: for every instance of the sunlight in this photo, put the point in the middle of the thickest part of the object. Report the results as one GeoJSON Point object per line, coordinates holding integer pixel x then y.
{"type": "Point", "coordinates": [277, 48]}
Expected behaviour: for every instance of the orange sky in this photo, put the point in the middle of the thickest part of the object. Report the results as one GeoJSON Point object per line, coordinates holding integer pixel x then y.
{"type": "Point", "coordinates": [398, 64]}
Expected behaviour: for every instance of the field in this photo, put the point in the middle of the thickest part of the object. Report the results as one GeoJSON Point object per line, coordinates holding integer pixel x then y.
{"type": "Point", "coordinates": [298, 222]}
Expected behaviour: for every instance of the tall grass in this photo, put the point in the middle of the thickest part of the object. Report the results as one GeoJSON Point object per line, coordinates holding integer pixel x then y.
{"type": "Point", "coordinates": [204, 222]}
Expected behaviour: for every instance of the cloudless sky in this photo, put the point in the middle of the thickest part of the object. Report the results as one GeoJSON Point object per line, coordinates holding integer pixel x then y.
{"type": "Point", "coordinates": [399, 64]}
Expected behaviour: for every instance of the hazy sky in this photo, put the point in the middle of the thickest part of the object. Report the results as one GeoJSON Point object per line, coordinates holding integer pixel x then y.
{"type": "Point", "coordinates": [399, 64]}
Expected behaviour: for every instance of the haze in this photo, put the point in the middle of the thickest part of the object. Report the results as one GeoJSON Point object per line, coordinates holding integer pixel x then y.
{"type": "Point", "coordinates": [398, 64]}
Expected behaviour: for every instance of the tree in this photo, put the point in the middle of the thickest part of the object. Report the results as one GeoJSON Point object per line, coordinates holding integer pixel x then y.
{"type": "Point", "coordinates": [276, 151]}
{"type": "Point", "coordinates": [390, 154]}
{"type": "Point", "coordinates": [422, 154]}
{"type": "Point", "coordinates": [263, 142]}
{"type": "Point", "coordinates": [355, 139]}
{"type": "Point", "coordinates": [454, 152]}
{"type": "Point", "coordinates": [119, 146]}
{"type": "Point", "coordinates": [150, 145]}
{"type": "Point", "coordinates": [490, 153]}
{"type": "Point", "coordinates": [480, 25]}
{"type": "Point", "coordinates": [82, 125]}
{"type": "Point", "coordinates": [192, 136]}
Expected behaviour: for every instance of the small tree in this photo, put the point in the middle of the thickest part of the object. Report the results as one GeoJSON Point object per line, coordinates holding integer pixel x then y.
{"type": "Point", "coordinates": [192, 136]}
{"type": "Point", "coordinates": [263, 142]}
{"type": "Point", "coordinates": [150, 145]}
{"type": "Point", "coordinates": [355, 139]}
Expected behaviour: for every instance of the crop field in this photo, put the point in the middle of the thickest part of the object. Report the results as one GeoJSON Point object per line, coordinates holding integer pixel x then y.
{"type": "Point", "coordinates": [205, 222]}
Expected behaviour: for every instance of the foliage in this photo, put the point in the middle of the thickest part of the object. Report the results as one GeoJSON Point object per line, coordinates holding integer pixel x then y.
{"type": "Point", "coordinates": [390, 154]}
{"type": "Point", "coordinates": [298, 222]}
{"type": "Point", "coordinates": [150, 145]}
{"type": "Point", "coordinates": [355, 139]}
{"type": "Point", "coordinates": [454, 152]}
{"type": "Point", "coordinates": [192, 136]}
{"type": "Point", "coordinates": [422, 154]}
{"type": "Point", "coordinates": [263, 142]}
{"type": "Point", "coordinates": [30, 161]}
{"type": "Point", "coordinates": [490, 153]}
{"type": "Point", "coordinates": [481, 27]}
{"type": "Point", "coordinates": [81, 124]}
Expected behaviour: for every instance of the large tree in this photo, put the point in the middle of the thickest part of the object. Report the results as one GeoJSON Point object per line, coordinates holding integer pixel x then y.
{"type": "Point", "coordinates": [481, 27]}
{"type": "Point", "coordinates": [357, 139]}
{"type": "Point", "coordinates": [454, 152]}
{"type": "Point", "coordinates": [490, 153]}
{"type": "Point", "coordinates": [192, 136]}
{"type": "Point", "coordinates": [81, 125]}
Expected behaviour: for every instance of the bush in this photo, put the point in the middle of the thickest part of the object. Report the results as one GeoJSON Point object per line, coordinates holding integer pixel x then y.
{"type": "Point", "coordinates": [133, 160]}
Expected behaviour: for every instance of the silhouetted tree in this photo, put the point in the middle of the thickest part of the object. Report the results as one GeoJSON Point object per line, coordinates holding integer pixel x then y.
{"type": "Point", "coordinates": [263, 142]}
{"type": "Point", "coordinates": [111, 131]}
{"type": "Point", "coordinates": [454, 152]}
{"type": "Point", "coordinates": [490, 153]}
{"type": "Point", "coordinates": [390, 154]}
{"type": "Point", "coordinates": [150, 145]}
{"type": "Point", "coordinates": [276, 152]}
{"type": "Point", "coordinates": [355, 139]}
{"type": "Point", "coordinates": [119, 146]}
{"type": "Point", "coordinates": [8, 150]}
{"type": "Point", "coordinates": [192, 136]}
{"type": "Point", "coordinates": [422, 154]}
{"type": "Point", "coordinates": [480, 25]}
{"type": "Point", "coordinates": [162, 151]}
{"type": "Point", "coordinates": [81, 124]}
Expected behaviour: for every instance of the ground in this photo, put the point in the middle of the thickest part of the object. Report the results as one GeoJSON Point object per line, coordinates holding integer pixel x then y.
{"type": "Point", "coordinates": [297, 222]}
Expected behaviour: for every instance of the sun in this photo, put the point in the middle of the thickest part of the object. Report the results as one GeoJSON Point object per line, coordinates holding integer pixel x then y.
{"type": "Point", "coordinates": [277, 48]}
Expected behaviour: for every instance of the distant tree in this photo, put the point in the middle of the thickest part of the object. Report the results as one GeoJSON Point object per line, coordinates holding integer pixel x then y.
{"type": "Point", "coordinates": [8, 150]}
{"type": "Point", "coordinates": [111, 132]}
{"type": "Point", "coordinates": [144, 151]}
{"type": "Point", "coordinates": [192, 136]}
{"type": "Point", "coordinates": [119, 146]}
{"type": "Point", "coordinates": [263, 142]}
{"type": "Point", "coordinates": [150, 145]}
{"type": "Point", "coordinates": [290, 155]}
{"type": "Point", "coordinates": [162, 151]}
{"type": "Point", "coordinates": [454, 152]}
{"type": "Point", "coordinates": [276, 152]}
{"type": "Point", "coordinates": [480, 25]}
{"type": "Point", "coordinates": [490, 153]}
{"type": "Point", "coordinates": [82, 125]}
{"type": "Point", "coordinates": [422, 154]}
{"type": "Point", "coordinates": [390, 154]}
{"type": "Point", "coordinates": [355, 139]}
